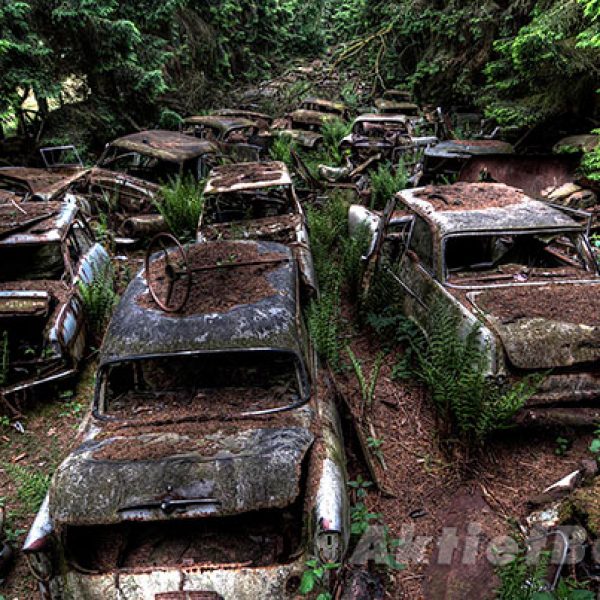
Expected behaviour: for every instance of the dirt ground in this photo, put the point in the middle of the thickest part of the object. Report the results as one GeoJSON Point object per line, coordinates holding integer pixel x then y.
{"type": "Point", "coordinates": [424, 491]}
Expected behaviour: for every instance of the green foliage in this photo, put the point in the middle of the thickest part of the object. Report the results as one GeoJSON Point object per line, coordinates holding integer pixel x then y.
{"type": "Point", "coordinates": [4, 358]}
{"type": "Point", "coordinates": [385, 182]}
{"type": "Point", "coordinates": [180, 204]}
{"type": "Point", "coordinates": [352, 250]}
{"type": "Point", "coordinates": [31, 486]}
{"type": "Point", "coordinates": [366, 386]}
{"type": "Point", "coordinates": [453, 367]}
{"type": "Point", "coordinates": [520, 580]}
{"type": "Point", "coordinates": [590, 163]}
{"type": "Point", "coordinates": [99, 300]}
{"type": "Point", "coordinates": [281, 149]}
{"type": "Point", "coordinates": [314, 578]}
{"type": "Point", "coordinates": [333, 131]}
{"type": "Point", "coordinates": [323, 318]}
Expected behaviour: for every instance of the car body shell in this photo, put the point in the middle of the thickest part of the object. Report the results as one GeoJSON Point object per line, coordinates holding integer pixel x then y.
{"type": "Point", "coordinates": [56, 305]}
{"type": "Point", "coordinates": [266, 458]}
{"type": "Point", "coordinates": [569, 351]}
{"type": "Point", "coordinates": [256, 180]}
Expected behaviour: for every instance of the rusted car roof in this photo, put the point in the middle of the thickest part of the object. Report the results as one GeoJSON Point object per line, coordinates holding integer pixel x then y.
{"type": "Point", "coordinates": [470, 207]}
{"type": "Point", "coordinates": [398, 106]}
{"type": "Point", "coordinates": [241, 113]}
{"type": "Point", "coordinates": [247, 176]}
{"type": "Point", "coordinates": [270, 322]}
{"type": "Point", "coordinates": [466, 148]}
{"type": "Point", "coordinates": [40, 223]}
{"type": "Point", "coordinates": [42, 182]}
{"type": "Point", "coordinates": [165, 145]}
{"type": "Point", "coordinates": [328, 104]}
{"type": "Point", "coordinates": [312, 117]}
{"type": "Point", "coordinates": [379, 118]}
{"type": "Point", "coordinates": [577, 143]}
{"type": "Point", "coordinates": [223, 123]}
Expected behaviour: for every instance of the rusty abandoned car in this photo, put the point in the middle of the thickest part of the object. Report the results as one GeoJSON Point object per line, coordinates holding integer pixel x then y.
{"type": "Point", "coordinates": [212, 464]}
{"type": "Point", "coordinates": [491, 254]}
{"type": "Point", "coordinates": [238, 138]}
{"type": "Point", "coordinates": [61, 172]}
{"type": "Point", "coordinates": [46, 248]}
{"type": "Point", "coordinates": [127, 177]}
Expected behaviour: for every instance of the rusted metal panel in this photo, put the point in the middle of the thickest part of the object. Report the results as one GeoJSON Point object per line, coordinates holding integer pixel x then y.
{"type": "Point", "coordinates": [164, 145]}
{"type": "Point", "coordinates": [247, 176]}
{"type": "Point", "coordinates": [532, 174]}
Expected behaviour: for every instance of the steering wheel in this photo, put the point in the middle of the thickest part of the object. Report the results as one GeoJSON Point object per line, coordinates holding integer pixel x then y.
{"type": "Point", "coordinates": [167, 272]}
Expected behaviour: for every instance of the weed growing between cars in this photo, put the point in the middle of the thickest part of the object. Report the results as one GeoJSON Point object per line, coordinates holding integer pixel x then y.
{"type": "Point", "coordinates": [4, 358]}
{"type": "Point", "coordinates": [385, 182]}
{"type": "Point", "coordinates": [99, 299]}
{"type": "Point", "coordinates": [180, 204]}
{"type": "Point", "coordinates": [339, 270]}
{"type": "Point", "coordinates": [333, 131]}
{"type": "Point", "coordinates": [281, 150]}
{"type": "Point", "coordinates": [31, 486]}
{"type": "Point", "coordinates": [453, 368]}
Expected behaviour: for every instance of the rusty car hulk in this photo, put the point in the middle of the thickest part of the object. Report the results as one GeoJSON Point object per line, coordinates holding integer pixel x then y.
{"type": "Point", "coordinates": [213, 461]}
{"type": "Point", "coordinates": [46, 248]}
{"type": "Point", "coordinates": [130, 171]}
{"type": "Point", "coordinates": [257, 201]}
{"type": "Point", "coordinates": [521, 268]}
{"type": "Point", "coordinates": [240, 139]}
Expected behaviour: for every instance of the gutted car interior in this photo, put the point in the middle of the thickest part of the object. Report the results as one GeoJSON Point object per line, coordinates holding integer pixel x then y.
{"type": "Point", "coordinates": [248, 205]}
{"type": "Point", "coordinates": [255, 539]}
{"type": "Point", "coordinates": [537, 255]}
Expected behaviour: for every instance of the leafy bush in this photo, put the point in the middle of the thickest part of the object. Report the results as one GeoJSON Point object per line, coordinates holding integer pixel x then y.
{"type": "Point", "coordinates": [352, 250]}
{"type": "Point", "coordinates": [590, 163]}
{"type": "Point", "coordinates": [367, 387]}
{"type": "Point", "coordinates": [385, 182]}
{"type": "Point", "coordinates": [99, 300]}
{"type": "Point", "coordinates": [180, 204]}
{"type": "Point", "coordinates": [453, 367]}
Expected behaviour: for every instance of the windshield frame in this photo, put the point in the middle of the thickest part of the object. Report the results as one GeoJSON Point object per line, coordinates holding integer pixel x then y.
{"type": "Point", "coordinates": [304, 383]}
{"type": "Point", "coordinates": [593, 269]}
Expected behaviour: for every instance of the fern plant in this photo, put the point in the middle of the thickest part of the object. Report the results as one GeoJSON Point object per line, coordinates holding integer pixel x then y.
{"type": "Point", "coordinates": [31, 485]}
{"type": "Point", "coordinates": [453, 367]}
{"type": "Point", "coordinates": [281, 149]}
{"type": "Point", "coordinates": [323, 317]}
{"type": "Point", "coordinates": [385, 182]}
{"type": "Point", "coordinates": [366, 386]}
{"type": "Point", "coordinates": [99, 299]}
{"type": "Point", "coordinates": [334, 130]}
{"type": "Point", "coordinates": [180, 203]}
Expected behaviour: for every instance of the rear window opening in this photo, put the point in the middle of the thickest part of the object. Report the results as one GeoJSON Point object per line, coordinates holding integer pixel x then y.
{"type": "Point", "coordinates": [256, 539]}
{"type": "Point", "coordinates": [212, 385]}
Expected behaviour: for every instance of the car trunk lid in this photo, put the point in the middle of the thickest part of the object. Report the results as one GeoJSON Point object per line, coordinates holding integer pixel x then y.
{"type": "Point", "coordinates": [544, 326]}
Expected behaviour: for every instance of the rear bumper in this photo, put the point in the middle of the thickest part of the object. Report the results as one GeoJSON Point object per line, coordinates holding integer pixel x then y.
{"type": "Point", "coordinates": [241, 583]}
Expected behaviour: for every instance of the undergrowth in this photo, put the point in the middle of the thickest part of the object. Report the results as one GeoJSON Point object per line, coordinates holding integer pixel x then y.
{"type": "Point", "coordinates": [99, 299]}
{"type": "Point", "coordinates": [180, 204]}
{"type": "Point", "coordinates": [31, 486]}
{"type": "Point", "coordinates": [521, 580]}
{"type": "Point", "coordinates": [281, 149]}
{"type": "Point", "coordinates": [452, 365]}
{"type": "Point", "coordinates": [385, 182]}
{"type": "Point", "coordinates": [338, 267]}
{"type": "Point", "coordinates": [334, 130]}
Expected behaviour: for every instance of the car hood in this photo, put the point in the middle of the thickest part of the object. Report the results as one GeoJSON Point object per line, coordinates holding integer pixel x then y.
{"type": "Point", "coordinates": [546, 326]}
{"type": "Point", "coordinates": [177, 474]}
